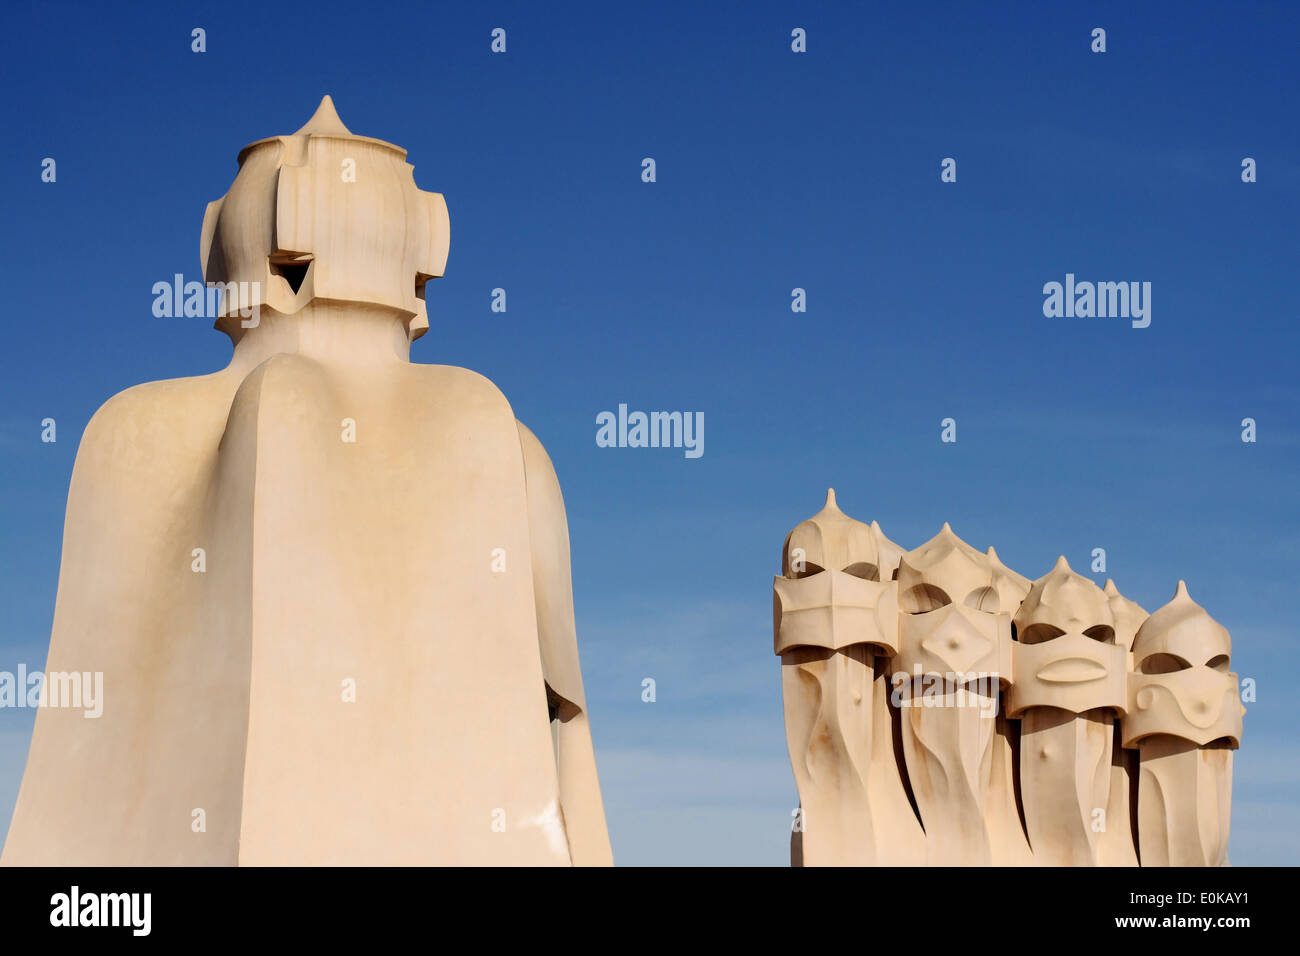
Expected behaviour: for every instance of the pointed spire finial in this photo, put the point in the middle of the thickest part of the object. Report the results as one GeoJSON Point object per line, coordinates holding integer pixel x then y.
{"type": "Point", "coordinates": [830, 498]}
{"type": "Point", "coordinates": [1181, 591]}
{"type": "Point", "coordinates": [1061, 564]}
{"type": "Point", "coordinates": [1110, 588]}
{"type": "Point", "coordinates": [325, 121]}
{"type": "Point", "coordinates": [946, 528]}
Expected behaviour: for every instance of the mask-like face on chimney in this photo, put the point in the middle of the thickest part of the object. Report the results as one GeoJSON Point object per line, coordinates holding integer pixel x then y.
{"type": "Point", "coordinates": [829, 593]}
{"type": "Point", "coordinates": [1065, 655]}
{"type": "Point", "coordinates": [1182, 686]}
{"type": "Point", "coordinates": [324, 215]}
{"type": "Point", "coordinates": [951, 622]}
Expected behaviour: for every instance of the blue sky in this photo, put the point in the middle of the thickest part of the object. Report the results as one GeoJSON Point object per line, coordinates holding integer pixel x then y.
{"type": "Point", "coordinates": [775, 170]}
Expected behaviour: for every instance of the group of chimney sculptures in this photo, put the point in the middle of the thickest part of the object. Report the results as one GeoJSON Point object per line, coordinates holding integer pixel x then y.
{"type": "Point", "coordinates": [943, 710]}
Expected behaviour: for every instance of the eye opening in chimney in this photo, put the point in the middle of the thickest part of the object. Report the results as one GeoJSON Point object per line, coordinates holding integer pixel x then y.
{"type": "Point", "coordinates": [420, 281]}
{"type": "Point", "coordinates": [292, 267]}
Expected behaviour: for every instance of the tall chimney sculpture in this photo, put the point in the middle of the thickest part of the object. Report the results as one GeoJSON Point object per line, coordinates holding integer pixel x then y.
{"type": "Point", "coordinates": [1068, 685]}
{"type": "Point", "coordinates": [1020, 722]}
{"type": "Point", "coordinates": [328, 589]}
{"type": "Point", "coordinates": [1185, 721]}
{"type": "Point", "coordinates": [834, 618]}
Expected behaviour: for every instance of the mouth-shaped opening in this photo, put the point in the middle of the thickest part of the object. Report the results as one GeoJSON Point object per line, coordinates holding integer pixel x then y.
{"type": "Point", "coordinates": [292, 267]}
